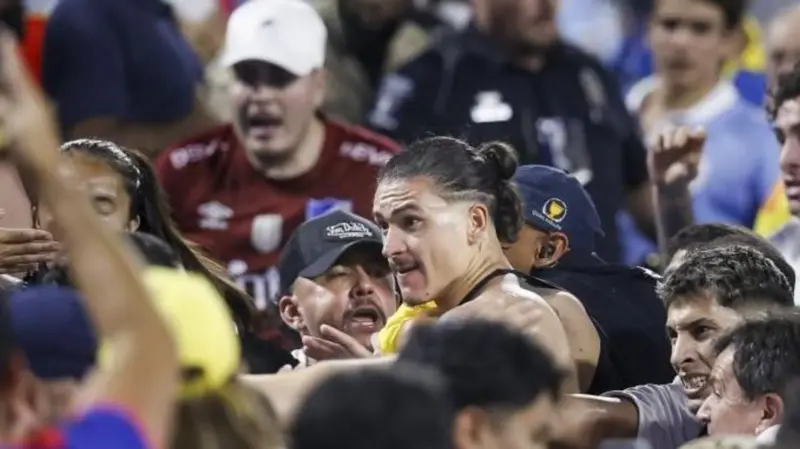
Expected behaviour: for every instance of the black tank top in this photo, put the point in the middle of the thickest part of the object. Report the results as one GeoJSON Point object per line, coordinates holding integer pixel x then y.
{"type": "Point", "coordinates": [606, 377]}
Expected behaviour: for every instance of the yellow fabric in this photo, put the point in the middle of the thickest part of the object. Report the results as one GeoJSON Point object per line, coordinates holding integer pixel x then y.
{"type": "Point", "coordinates": [753, 57]}
{"type": "Point", "coordinates": [201, 325]}
{"type": "Point", "coordinates": [389, 336]}
{"type": "Point", "coordinates": [774, 213]}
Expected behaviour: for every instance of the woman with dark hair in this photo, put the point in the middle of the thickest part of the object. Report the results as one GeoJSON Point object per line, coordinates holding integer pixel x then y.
{"type": "Point", "coordinates": [446, 210]}
{"type": "Point", "coordinates": [124, 192]}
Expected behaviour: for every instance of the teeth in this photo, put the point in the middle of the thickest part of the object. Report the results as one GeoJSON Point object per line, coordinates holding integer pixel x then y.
{"type": "Point", "coordinates": [695, 382]}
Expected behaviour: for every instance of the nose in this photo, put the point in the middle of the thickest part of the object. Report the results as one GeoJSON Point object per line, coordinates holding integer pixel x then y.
{"type": "Point", "coordinates": [682, 36]}
{"type": "Point", "coordinates": [790, 155]}
{"type": "Point", "coordinates": [365, 286]}
{"type": "Point", "coordinates": [684, 351]}
{"type": "Point", "coordinates": [264, 92]}
{"type": "Point", "coordinates": [704, 414]}
{"type": "Point", "coordinates": [393, 243]}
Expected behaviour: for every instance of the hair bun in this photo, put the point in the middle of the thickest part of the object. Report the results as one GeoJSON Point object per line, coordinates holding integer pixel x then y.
{"type": "Point", "coordinates": [503, 156]}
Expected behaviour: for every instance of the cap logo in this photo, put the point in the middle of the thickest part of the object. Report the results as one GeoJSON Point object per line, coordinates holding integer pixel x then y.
{"type": "Point", "coordinates": [348, 230]}
{"type": "Point", "coordinates": [555, 210]}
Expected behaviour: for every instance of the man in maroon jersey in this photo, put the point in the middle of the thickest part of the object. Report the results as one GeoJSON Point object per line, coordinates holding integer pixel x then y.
{"type": "Point", "coordinates": [240, 190]}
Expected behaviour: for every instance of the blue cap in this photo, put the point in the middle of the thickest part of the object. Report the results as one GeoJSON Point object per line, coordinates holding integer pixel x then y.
{"type": "Point", "coordinates": [554, 201]}
{"type": "Point", "coordinates": [51, 328]}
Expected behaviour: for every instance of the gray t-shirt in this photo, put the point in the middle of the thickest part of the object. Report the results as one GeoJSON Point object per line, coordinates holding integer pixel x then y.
{"type": "Point", "coordinates": [664, 416]}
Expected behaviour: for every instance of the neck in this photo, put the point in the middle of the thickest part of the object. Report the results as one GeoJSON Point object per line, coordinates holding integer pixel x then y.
{"type": "Point", "coordinates": [305, 156]}
{"type": "Point", "coordinates": [675, 97]}
{"type": "Point", "coordinates": [452, 296]}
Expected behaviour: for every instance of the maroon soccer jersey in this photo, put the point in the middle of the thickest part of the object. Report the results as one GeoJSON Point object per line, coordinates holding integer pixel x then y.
{"type": "Point", "coordinates": [242, 218]}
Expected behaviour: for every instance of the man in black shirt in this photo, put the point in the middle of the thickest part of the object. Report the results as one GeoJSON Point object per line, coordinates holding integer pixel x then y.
{"type": "Point", "coordinates": [508, 77]}
{"type": "Point", "coordinates": [557, 245]}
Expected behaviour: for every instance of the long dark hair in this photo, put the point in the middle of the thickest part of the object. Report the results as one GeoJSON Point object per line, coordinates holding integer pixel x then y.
{"type": "Point", "coordinates": [149, 205]}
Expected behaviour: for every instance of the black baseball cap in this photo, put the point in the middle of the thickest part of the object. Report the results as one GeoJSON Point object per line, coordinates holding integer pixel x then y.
{"type": "Point", "coordinates": [555, 201]}
{"type": "Point", "coordinates": [317, 244]}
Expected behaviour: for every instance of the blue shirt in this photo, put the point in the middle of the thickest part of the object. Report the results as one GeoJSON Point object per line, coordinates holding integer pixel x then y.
{"type": "Point", "coordinates": [119, 59]}
{"type": "Point", "coordinates": [98, 428]}
{"type": "Point", "coordinates": [739, 167]}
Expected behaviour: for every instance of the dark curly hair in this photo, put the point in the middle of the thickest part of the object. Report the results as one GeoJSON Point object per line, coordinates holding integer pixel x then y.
{"type": "Point", "coordinates": [787, 88]}
{"type": "Point", "coordinates": [734, 275]}
{"type": "Point", "coordinates": [462, 172]}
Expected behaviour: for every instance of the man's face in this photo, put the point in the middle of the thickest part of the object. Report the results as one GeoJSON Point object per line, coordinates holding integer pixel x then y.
{"type": "Point", "coordinates": [523, 25]}
{"type": "Point", "coordinates": [693, 323]}
{"type": "Point", "coordinates": [425, 237]}
{"type": "Point", "coordinates": [522, 254]}
{"type": "Point", "coordinates": [354, 296]}
{"type": "Point", "coordinates": [528, 428]}
{"type": "Point", "coordinates": [273, 109]}
{"type": "Point", "coordinates": [689, 40]}
{"type": "Point", "coordinates": [783, 45]}
{"type": "Point", "coordinates": [375, 14]}
{"type": "Point", "coordinates": [727, 411]}
{"type": "Point", "coordinates": [787, 126]}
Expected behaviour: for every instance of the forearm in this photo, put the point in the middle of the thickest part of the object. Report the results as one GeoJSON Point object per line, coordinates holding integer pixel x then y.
{"type": "Point", "coordinates": [673, 206]}
{"type": "Point", "coordinates": [286, 391]}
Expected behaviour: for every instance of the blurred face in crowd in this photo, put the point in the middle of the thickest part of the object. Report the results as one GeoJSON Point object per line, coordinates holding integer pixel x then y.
{"type": "Point", "coordinates": [354, 296]}
{"type": "Point", "coordinates": [535, 249]}
{"type": "Point", "coordinates": [375, 14]}
{"type": "Point", "coordinates": [273, 109]}
{"type": "Point", "coordinates": [426, 238]}
{"type": "Point", "coordinates": [528, 428]}
{"type": "Point", "coordinates": [693, 323]}
{"type": "Point", "coordinates": [104, 187]}
{"type": "Point", "coordinates": [525, 26]}
{"type": "Point", "coordinates": [728, 411]}
{"type": "Point", "coordinates": [787, 127]}
{"type": "Point", "coordinates": [783, 44]}
{"type": "Point", "coordinates": [690, 42]}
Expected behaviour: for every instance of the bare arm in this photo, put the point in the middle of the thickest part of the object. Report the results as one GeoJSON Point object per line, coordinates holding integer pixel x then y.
{"type": "Point", "coordinates": [673, 205]}
{"type": "Point", "coordinates": [584, 342]}
{"type": "Point", "coordinates": [286, 391]}
{"type": "Point", "coordinates": [143, 377]}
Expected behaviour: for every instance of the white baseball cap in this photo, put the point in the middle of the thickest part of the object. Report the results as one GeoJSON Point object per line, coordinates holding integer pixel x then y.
{"type": "Point", "coordinates": [287, 33]}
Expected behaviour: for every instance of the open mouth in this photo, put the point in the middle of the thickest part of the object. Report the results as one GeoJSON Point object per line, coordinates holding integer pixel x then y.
{"type": "Point", "coordinates": [365, 319]}
{"type": "Point", "coordinates": [694, 384]}
{"type": "Point", "coordinates": [263, 125]}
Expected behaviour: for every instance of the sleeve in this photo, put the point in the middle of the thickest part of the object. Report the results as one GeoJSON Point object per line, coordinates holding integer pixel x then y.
{"type": "Point", "coordinates": [83, 68]}
{"type": "Point", "coordinates": [103, 428]}
{"type": "Point", "coordinates": [664, 417]}
{"type": "Point", "coordinates": [404, 105]}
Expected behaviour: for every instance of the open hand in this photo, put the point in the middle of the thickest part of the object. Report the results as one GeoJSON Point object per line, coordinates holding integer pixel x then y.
{"type": "Point", "coordinates": [21, 250]}
{"type": "Point", "coordinates": [676, 155]}
{"type": "Point", "coordinates": [335, 345]}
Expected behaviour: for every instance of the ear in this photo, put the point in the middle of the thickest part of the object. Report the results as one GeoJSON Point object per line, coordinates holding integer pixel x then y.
{"type": "Point", "coordinates": [290, 313]}
{"type": "Point", "coordinates": [771, 412]}
{"type": "Point", "coordinates": [470, 428]}
{"type": "Point", "coordinates": [478, 222]}
{"type": "Point", "coordinates": [134, 224]}
{"type": "Point", "coordinates": [319, 79]}
{"type": "Point", "coordinates": [552, 250]}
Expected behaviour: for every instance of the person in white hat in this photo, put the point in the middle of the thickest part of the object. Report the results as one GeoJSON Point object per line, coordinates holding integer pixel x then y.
{"type": "Point", "coordinates": [241, 189]}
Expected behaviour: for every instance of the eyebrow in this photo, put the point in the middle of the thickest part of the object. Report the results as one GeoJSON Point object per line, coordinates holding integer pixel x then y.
{"type": "Point", "coordinates": [400, 210]}
{"type": "Point", "coordinates": [691, 324]}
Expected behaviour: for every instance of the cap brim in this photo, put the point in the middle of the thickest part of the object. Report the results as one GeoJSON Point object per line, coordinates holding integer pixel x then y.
{"type": "Point", "coordinates": [231, 58]}
{"type": "Point", "coordinates": [328, 260]}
